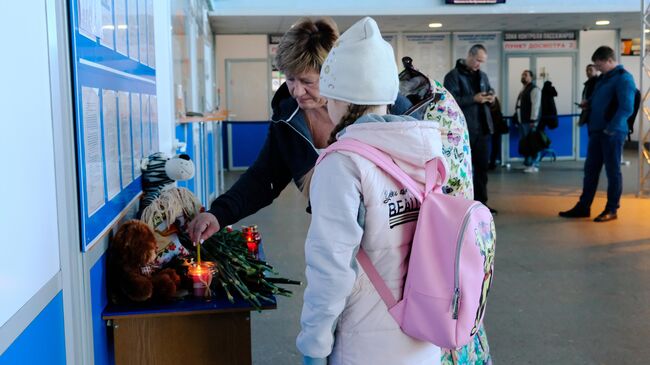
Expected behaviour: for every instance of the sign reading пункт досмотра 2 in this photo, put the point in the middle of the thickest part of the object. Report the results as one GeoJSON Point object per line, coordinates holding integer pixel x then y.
{"type": "Point", "coordinates": [539, 41]}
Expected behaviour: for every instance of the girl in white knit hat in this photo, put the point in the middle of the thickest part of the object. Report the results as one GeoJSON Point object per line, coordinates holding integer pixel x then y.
{"type": "Point", "coordinates": [356, 204]}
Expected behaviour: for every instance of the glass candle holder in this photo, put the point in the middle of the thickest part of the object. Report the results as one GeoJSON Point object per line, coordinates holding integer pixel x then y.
{"type": "Point", "coordinates": [201, 276]}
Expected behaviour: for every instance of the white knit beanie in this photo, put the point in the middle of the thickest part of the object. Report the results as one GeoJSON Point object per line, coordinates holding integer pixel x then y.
{"type": "Point", "coordinates": [361, 68]}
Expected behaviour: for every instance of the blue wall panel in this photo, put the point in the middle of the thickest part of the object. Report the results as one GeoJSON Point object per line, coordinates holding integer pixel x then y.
{"type": "Point", "coordinates": [103, 340]}
{"type": "Point", "coordinates": [212, 184]}
{"type": "Point", "coordinates": [246, 140]}
{"type": "Point", "coordinates": [184, 134]}
{"type": "Point", "coordinates": [561, 138]}
{"type": "Point", "coordinates": [43, 341]}
{"type": "Point", "coordinates": [584, 141]}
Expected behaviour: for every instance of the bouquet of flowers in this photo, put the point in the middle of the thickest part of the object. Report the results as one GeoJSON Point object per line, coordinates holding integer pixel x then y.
{"type": "Point", "coordinates": [238, 271]}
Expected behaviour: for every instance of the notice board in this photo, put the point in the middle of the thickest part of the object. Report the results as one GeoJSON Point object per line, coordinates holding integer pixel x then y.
{"type": "Point", "coordinates": [114, 78]}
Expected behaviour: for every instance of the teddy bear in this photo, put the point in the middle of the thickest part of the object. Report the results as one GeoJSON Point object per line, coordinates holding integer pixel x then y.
{"type": "Point", "coordinates": [132, 275]}
{"type": "Point", "coordinates": [159, 172]}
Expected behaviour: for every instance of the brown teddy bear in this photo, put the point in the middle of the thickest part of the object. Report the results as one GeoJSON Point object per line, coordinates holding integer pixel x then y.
{"type": "Point", "coordinates": [131, 275]}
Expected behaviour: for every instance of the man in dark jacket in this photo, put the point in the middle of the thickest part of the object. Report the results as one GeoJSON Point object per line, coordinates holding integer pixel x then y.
{"type": "Point", "coordinates": [588, 89]}
{"type": "Point", "coordinates": [473, 93]}
{"type": "Point", "coordinates": [610, 105]}
{"type": "Point", "coordinates": [528, 112]}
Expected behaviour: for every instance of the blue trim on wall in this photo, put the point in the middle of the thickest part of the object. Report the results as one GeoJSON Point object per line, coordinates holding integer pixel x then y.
{"type": "Point", "coordinates": [43, 341]}
{"type": "Point", "coordinates": [102, 338]}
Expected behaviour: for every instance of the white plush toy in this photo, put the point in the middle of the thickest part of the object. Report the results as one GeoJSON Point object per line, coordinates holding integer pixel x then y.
{"type": "Point", "coordinates": [159, 172]}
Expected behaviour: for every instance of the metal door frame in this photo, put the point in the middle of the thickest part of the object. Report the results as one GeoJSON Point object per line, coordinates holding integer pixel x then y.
{"type": "Point", "coordinates": [533, 66]}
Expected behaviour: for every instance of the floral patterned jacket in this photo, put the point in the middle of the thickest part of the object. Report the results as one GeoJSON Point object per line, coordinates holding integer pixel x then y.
{"type": "Point", "coordinates": [455, 148]}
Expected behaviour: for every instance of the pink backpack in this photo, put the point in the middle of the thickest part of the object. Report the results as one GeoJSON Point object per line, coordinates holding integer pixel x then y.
{"type": "Point", "coordinates": [451, 261]}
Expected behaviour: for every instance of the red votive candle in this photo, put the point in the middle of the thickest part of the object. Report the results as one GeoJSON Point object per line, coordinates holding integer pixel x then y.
{"type": "Point", "coordinates": [201, 278]}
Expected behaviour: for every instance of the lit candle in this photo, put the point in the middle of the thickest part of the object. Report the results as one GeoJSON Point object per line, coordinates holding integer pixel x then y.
{"type": "Point", "coordinates": [252, 245]}
{"type": "Point", "coordinates": [251, 242]}
{"type": "Point", "coordinates": [201, 275]}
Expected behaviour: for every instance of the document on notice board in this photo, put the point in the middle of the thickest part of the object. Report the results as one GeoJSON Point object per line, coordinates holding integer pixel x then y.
{"type": "Point", "coordinates": [111, 144]}
{"type": "Point", "coordinates": [90, 18]}
{"type": "Point", "coordinates": [146, 126]}
{"type": "Point", "coordinates": [142, 31]}
{"type": "Point", "coordinates": [93, 155]}
{"type": "Point", "coordinates": [132, 11]}
{"type": "Point", "coordinates": [151, 54]}
{"type": "Point", "coordinates": [108, 28]}
{"type": "Point", "coordinates": [120, 27]}
{"type": "Point", "coordinates": [153, 112]}
{"type": "Point", "coordinates": [126, 159]}
{"type": "Point", "coordinates": [136, 128]}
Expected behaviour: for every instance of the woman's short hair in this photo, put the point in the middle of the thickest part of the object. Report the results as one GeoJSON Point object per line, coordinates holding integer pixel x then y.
{"type": "Point", "coordinates": [306, 45]}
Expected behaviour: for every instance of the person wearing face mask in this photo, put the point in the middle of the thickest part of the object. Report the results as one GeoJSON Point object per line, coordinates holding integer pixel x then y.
{"type": "Point", "coordinates": [471, 89]}
{"type": "Point", "coordinates": [528, 107]}
{"type": "Point", "coordinates": [299, 127]}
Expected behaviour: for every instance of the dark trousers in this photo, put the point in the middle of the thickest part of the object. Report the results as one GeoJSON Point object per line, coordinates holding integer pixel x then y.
{"type": "Point", "coordinates": [480, 158]}
{"type": "Point", "coordinates": [495, 150]}
{"type": "Point", "coordinates": [603, 149]}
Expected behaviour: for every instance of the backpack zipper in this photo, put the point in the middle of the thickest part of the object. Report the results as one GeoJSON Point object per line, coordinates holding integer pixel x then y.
{"type": "Point", "coordinates": [455, 302]}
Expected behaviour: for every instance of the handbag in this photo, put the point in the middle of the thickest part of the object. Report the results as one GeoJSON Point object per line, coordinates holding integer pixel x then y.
{"type": "Point", "coordinates": [533, 143]}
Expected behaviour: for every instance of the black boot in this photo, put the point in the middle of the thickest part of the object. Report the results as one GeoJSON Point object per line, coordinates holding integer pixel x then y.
{"type": "Point", "coordinates": [576, 212]}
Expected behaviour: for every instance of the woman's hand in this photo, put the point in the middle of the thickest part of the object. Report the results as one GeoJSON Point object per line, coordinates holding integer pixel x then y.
{"type": "Point", "coordinates": [203, 226]}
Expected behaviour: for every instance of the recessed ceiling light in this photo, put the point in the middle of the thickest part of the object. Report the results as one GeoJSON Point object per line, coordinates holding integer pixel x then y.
{"type": "Point", "coordinates": [435, 25]}
{"type": "Point", "coordinates": [602, 22]}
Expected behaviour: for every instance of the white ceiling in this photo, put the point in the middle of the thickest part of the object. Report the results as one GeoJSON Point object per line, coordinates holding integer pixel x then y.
{"type": "Point", "coordinates": [628, 22]}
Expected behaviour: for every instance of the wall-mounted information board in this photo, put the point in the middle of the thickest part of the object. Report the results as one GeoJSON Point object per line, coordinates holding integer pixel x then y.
{"type": "Point", "coordinates": [114, 76]}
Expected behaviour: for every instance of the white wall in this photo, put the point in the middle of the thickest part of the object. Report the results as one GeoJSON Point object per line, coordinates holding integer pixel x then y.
{"type": "Point", "coordinates": [240, 47]}
{"type": "Point", "coordinates": [589, 41]}
{"type": "Point", "coordinates": [28, 215]}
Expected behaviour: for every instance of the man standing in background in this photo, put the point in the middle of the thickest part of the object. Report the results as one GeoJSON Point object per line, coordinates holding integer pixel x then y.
{"type": "Point", "coordinates": [528, 107]}
{"type": "Point", "coordinates": [587, 90]}
{"type": "Point", "coordinates": [610, 105]}
{"type": "Point", "coordinates": [471, 89]}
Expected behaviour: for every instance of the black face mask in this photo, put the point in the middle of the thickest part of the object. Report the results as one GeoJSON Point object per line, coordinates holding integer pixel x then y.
{"type": "Point", "coordinates": [523, 81]}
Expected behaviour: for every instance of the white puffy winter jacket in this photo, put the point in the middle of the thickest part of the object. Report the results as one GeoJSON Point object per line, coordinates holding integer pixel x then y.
{"type": "Point", "coordinates": [354, 204]}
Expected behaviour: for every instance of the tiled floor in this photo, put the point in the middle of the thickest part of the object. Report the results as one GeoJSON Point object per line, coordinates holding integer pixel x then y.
{"type": "Point", "coordinates": [565, 291]}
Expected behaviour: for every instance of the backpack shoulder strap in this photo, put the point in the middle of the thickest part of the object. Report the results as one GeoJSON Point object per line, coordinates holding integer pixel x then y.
{"type": "Point", "coordinates": [376, 279]}
{"type": "Point", "coordinates": [435, 170]}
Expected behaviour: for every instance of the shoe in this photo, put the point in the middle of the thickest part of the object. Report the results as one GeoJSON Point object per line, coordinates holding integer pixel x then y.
{"type": "Point", "coordinates": [531, 169]}
{"type": "Point", "coordinates": [575, 212]}
{"type": "Point", "coordinates": [606, 216]}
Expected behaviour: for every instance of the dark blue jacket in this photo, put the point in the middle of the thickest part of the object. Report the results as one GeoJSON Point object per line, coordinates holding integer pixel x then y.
{"type": "Point", "coordinates": [288, 154]}
{"type": "Point", "coordinates": [612, 101]}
